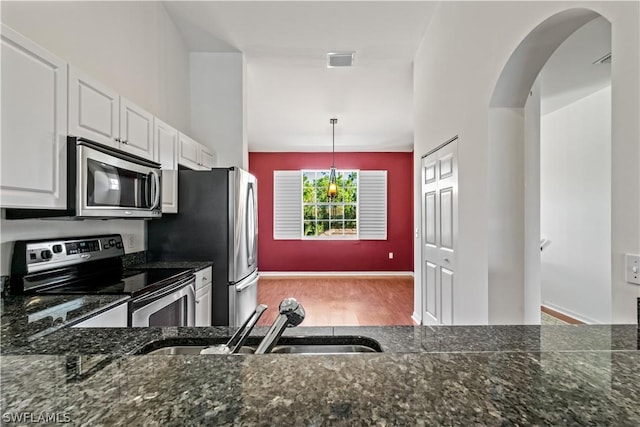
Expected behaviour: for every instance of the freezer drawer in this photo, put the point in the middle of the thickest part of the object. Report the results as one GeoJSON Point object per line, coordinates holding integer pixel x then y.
{"type": "Point", "coordinates": [243, 299]}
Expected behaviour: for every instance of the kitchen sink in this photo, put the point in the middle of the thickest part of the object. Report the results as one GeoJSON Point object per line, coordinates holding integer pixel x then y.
{"type": "Point", "coordinates": [286, 345]}
{"type": "Point", "coordinates": [324, 349]}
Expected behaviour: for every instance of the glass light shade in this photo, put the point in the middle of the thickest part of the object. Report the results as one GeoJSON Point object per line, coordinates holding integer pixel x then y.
{"type": "Point", "coordinates": [333, 185]}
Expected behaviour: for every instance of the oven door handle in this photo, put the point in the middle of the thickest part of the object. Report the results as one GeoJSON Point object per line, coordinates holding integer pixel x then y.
{"type": "Point", "coordinates": [189, 283]}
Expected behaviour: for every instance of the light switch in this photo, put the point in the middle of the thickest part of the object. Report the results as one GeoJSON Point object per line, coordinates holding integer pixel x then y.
{"type": "Point", "coordinates": [632, 268]}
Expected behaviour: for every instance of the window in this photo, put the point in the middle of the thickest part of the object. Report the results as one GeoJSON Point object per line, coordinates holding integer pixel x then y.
{"type": "Point", "coordinates": [301, 209]}
{"type": "Point", "coordinates": [337, 218]}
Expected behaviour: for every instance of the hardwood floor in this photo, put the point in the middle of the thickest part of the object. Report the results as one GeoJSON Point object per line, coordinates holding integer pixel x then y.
{"type": "Point", "coordinates": [561, 317]}
{"type": "Point", "coordinates": [341, 301]}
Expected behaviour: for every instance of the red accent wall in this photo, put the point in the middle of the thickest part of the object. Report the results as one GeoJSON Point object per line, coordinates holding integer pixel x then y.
{"type": "Point", "coordinates": [338, 255]}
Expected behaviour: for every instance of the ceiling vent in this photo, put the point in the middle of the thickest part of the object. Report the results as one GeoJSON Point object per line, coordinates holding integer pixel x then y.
{"type": "Point", "coordinates": [604, 60]}
{"type": "Point", "coordinates": [340, 59]}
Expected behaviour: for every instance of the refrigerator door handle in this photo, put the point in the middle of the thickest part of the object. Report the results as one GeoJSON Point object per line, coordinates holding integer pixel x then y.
{"type": "Point", "coordinates": [248, 282]}
{"type": "Point", "coordinates": [252, 229]}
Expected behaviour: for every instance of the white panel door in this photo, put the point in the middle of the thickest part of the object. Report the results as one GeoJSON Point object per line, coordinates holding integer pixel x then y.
{"type": "Point", "coordinates": [166, 153]}
{"type": "Point", "coordinates": [34, 125]}
{"type": "Point", "coordinates": [136, 130]}
{"type": "Point", "coordinates": [93, 109]}
{"type": "Point", "coordinates": [439, 231]}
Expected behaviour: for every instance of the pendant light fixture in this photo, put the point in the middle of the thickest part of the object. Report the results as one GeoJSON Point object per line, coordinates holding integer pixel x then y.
{"type": "Point", "coordinates": [332, 191]}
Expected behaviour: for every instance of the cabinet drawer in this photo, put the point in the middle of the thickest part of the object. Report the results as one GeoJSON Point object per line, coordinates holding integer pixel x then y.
{"type": "Point", "coordinates": [203, 277]}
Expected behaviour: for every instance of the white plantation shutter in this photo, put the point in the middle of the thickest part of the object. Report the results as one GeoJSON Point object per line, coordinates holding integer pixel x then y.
{"type": "Point", "coordinates": [287, 205]}
{"type": "Point", "coordinates": [372, 205]}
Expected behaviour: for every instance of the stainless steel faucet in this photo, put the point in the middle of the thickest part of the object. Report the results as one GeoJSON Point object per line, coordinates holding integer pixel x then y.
{"type": "Point", "coordinates": [291, 314]}
{"type": "Point", "coordinates": [234, 345]}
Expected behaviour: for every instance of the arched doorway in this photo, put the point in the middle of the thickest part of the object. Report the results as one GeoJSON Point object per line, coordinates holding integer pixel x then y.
{"type": "Point", "coordinates": [514, 173]}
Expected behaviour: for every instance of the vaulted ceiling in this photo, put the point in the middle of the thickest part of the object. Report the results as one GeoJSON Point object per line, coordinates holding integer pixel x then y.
{"type": "Point", "coordinates": [291, 94]}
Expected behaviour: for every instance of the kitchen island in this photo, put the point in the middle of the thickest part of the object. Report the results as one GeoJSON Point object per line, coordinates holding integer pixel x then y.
{"type": "Point", "coordinates": [487, 375]}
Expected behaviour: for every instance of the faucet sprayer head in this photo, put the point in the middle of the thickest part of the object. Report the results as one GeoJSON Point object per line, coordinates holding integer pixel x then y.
{"type": "Point", "coordinates": [294, 312]}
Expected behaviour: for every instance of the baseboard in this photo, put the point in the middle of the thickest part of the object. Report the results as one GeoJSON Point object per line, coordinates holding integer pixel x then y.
{"type": "Point", "coordinates": [565, 315]}
{"type": "Point", "coordinates": [416, 319]}
{"type": "Point", "coordinates": [336, 273]}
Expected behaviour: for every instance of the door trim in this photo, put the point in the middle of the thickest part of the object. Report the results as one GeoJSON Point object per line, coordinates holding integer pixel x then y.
{"type": "Point", "coordinates": [449, 141]}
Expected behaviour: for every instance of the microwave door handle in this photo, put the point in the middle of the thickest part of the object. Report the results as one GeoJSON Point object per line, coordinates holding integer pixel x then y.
{"type": "Point", "coordinates": [156, 187]}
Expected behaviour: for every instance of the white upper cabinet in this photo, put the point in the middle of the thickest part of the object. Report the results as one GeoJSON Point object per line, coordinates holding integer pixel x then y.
{"type": "Point", "coordinates": [194, 155]}
{"type": "Point", "coordinates": [166, 149]}
{"type": "Point", "coordinates": [188, 152]}
{"type": "Point", "coordinates": [207, 159]}
{"type": "Point", "coordinates": [101, 115]}
{"type": "Point", "coordinates": [136, 130]}
{"type": "Point", "coordinates": [93, 109]}
{"type": "Point", "coordinates": [34, 125]}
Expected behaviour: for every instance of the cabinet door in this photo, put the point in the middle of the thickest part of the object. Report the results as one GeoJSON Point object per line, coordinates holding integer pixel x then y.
{"type": "Point", "coordinates": [116, 317]}
{"type": "Point", "coordinates": [136, 130]}
{"type": "Point", "coordinates": [93, 109]}
{"type": "Point", "coordinates": [166, 149]}
{"type": "Point", "coordinates": [188, 152]}
{"type": "Point", "coordinates": [207, 159]}
{"type": "Point", "coordinates": [34, 110]}
{"type": "Point", "coordinates": [203, 306]}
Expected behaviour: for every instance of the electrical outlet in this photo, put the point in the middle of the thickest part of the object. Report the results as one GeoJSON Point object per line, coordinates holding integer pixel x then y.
{"type": "Point", "coordinates": [131, 241]}
{"type": "Point", "coordinates": [632, 268]}
{"type": "Point", "coordinates": [390, 255]}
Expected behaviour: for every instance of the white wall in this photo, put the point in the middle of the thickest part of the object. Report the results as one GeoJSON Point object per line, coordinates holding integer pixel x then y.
{"type": "Point", "coordinates": [575, 169]}
{"type": "Point", "coordinates": [532, 299]}
{"type": "Point", "coordinates": [217, 105]}
{"type": "Point", "coordinates": [132, 47]}
{"type": "Point", "coordinates": [506, 216]}
{"type": "Point", "coordinates": [456, 69]}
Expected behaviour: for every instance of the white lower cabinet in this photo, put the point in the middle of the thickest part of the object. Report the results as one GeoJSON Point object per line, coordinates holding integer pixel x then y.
{"type": "Point", "coordinates": [203, 297]}
{"type": "Point", "coordinates": [116, 317]}
{"type": "Point", "coordinates": [34, 125]}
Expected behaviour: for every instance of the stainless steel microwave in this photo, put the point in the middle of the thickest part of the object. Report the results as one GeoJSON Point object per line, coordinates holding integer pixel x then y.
{"type": "Point", "coordinates": [105, 183]}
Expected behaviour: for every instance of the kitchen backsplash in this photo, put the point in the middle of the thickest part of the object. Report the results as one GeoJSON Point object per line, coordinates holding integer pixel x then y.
{"type": "Point", "coordinates": [134, 259]}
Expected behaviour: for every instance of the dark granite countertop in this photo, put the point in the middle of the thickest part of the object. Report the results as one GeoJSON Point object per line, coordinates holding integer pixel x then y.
{"type": "Point", "coordinates": [195, 265]}
{"type": "Point", "coordinates": [462, 375]}
{"type": "Point", "coordinates": [26, 319]}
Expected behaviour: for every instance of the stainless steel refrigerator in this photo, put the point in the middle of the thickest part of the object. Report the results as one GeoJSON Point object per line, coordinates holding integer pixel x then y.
{"type": "Point", "coordinates": [217, 221]}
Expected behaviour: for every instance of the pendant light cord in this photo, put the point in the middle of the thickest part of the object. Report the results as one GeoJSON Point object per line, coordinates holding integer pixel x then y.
{"type": "Point", "coordinates": [333, 144]}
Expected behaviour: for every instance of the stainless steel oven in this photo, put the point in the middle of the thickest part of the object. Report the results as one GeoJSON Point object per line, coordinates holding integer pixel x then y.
{"type": "Point", "coordinates": [172, 305]}
{"type": "Point", "coordinates": [93, 265]}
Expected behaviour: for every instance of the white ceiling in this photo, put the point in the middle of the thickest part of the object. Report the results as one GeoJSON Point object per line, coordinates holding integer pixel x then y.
{"type": "Point", "coordinates": [291, 93]}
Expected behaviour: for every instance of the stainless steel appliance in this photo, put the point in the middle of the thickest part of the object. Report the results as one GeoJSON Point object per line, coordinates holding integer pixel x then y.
{"type": "Point", "coordinates": [217, 221]}
{"type": "Point", "coordinates": [105, 183]}
{"type": "Point", "coordinates": [93, 265]}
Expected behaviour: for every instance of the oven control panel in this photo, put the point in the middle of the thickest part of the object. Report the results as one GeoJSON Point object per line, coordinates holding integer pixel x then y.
{"type": "Point", "coordinates": [48, 254]}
